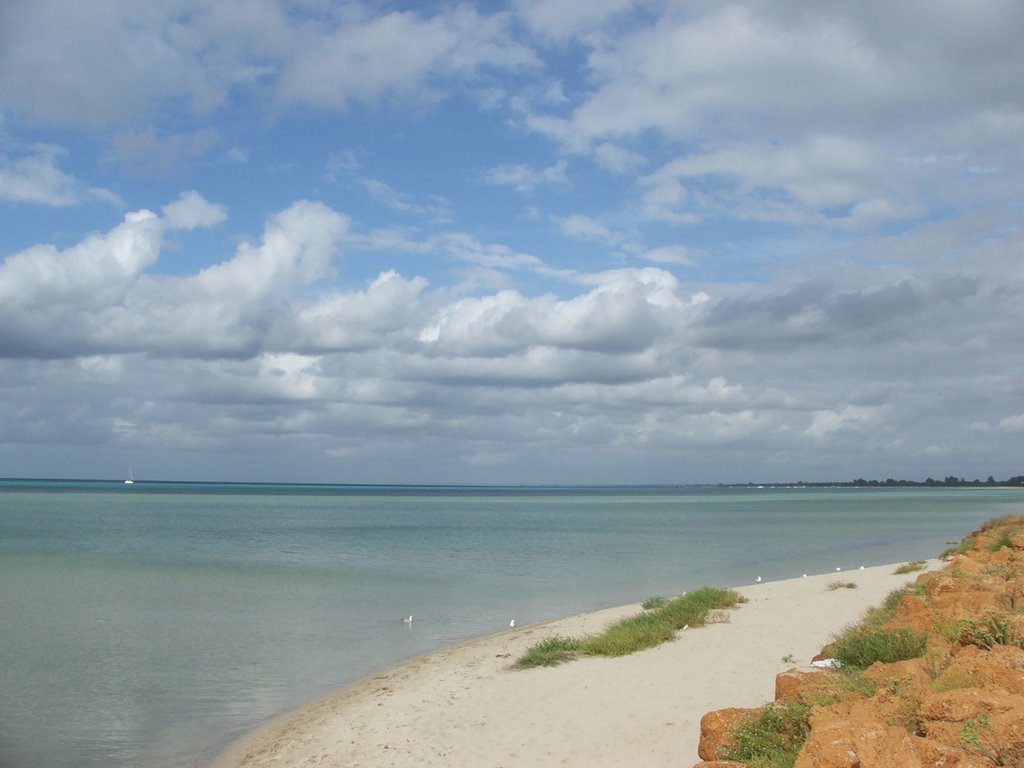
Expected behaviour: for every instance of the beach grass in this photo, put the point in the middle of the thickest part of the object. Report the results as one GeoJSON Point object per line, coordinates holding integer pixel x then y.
{"type": "Point", "coordinates": [636, 633]}
{"type": "Point", "coordinates": [550, 652]}
{"type": "Point", "coordinates": [862, 645]}
{"type": "Point", "coordinates": [911, 567]}
{"type": "Point", "coordinates": [656, 625]}
{"type": "Point", "coordinates": [834, 585]}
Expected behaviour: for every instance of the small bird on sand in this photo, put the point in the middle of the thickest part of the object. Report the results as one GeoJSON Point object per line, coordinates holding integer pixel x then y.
{"type": "Point", "coordinates": [512, 624]}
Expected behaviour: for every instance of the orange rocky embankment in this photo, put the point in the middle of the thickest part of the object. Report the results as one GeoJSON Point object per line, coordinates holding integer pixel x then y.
{"type": "Point", "coordinates": [959, 705]}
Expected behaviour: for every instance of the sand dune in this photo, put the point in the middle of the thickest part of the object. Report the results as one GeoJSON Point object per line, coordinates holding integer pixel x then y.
{"type": "Point", "coordinates": [463, 706]}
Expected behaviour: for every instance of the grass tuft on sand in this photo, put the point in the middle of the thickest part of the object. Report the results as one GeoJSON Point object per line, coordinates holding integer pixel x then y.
{"type": "Point", "coordinates": [656, 625]}
{"type": "Point", "coordinates": [834, 585]}
{"type": "Point", "coordinates": [911, 567]}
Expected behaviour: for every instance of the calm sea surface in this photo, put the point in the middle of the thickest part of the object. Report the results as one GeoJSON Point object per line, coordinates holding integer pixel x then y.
{"type": "Point", "coordinates": [148, 625]}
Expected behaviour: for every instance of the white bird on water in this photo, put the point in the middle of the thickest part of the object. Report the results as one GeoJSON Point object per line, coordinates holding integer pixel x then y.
{"type": "Point", "coordinates": [757, 580]}
{"type": "Point", "coordinates": [407, 621]}
{"type": "Point", "coordinates": [512, 624]}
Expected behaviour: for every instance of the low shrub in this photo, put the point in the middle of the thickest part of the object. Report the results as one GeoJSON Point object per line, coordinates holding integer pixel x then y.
{"type": "Point", "coordinates": [770, 738]}
{"type": "Point", "coordinates": [988, 631]}
{"type": "Point", "coordinates": [861, 646]}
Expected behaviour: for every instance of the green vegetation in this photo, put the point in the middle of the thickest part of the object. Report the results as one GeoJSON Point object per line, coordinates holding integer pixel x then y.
{"type": "Point", "coordinates": [550, 652]}
{"type": "Point", "coordinates": [979, 738]}
{"type": "Point", "coordinates": [629, 635]}
{"type": "Point", "coordinates": [964, 546]}
{"type": "Point", "coordinates": [955, 679]}
{"type": "Point", "coordinates": [834, 585]}
{"type": "Point", "coordinates": [999, 522]}
{"type": "Point", "coordinates": [653, 602]}
{"type": "Point", "coordinates": [841, 685]}
{"type": "Point", "coordinates": [879, 614]}
{"type": "Point", "coordinates": [661, 624]}
{"type": "Point", "coordinates": [988, 631]}
{"type": "Point", "coordinates": [1000, 541]}
{"type": "Point", "coordinates": [855, 682]}
{"type": "Point", "coordinates": [861, 646]}
{"type": "Point", "coordinates": [991, 569]}
{"type": "Point", "coordinates": [771, 738]}
{"type": "Point", "coordinates": [645, 630]}
{"type": "Point", "coordinates": [916, 565]}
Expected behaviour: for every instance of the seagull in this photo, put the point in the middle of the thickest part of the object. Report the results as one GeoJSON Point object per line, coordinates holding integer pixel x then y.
{"type": "Point", "coordinates": [838, 568]}
{"type": "Point", "coordinates": [804, 576]}
{"type": "Point", "coordinates": [512, 624]}
{"type": "Point", "coordinates": [407, 621]}
{"type": "Point", "coordinates": [862, 567]}
{"type": "Point", "coordinates": [757, 580]}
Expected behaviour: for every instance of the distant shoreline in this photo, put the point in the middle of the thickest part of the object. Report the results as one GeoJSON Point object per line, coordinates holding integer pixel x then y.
{"type": "Point", "coordinates": [7, 483]}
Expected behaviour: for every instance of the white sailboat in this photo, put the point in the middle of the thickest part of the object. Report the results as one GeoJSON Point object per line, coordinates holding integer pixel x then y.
{"type": "Point", "coordinates": [131, 476]}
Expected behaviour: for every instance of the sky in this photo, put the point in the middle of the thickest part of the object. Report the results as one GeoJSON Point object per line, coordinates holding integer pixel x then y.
{"type": "Point", "coordinates": [519, 242]}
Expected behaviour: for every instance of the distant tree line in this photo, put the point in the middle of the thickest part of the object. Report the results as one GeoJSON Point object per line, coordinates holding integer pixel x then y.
{"type": "Point", "coordinates": [951, 481]}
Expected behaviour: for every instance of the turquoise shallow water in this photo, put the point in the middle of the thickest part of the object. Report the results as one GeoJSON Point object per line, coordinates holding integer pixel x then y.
{"type": "Point", "coordinates": [147, 625]}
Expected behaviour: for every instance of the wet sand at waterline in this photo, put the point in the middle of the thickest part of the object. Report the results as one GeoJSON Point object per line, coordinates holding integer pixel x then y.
{"type": "Point", "coordinates": [464, 706]}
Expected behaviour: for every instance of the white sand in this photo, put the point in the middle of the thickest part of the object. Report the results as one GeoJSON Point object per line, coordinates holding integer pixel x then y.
{"type": "Point", "coordinates": [463, 706]}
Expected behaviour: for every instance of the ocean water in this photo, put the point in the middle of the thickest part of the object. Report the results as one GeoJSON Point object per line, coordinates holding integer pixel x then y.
{"type": "Point", "coordinates": [149, 625]}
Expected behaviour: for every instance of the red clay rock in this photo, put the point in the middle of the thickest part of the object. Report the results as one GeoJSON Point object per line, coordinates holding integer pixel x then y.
{"type": "Point", "coordinates": [851, 735]}
{"type": "Point", "coordinates": [716, 730]}
{"type": "Point", "coordinates": [961, 706]}
{"type": "Point", "coordinates": [964, 703]}
{"type": "Point", "coordinates": [912, 611]}
{"type": "Point", "coordinates": [796, 684]}
{"type": "Point", "coordinates": [901, 674]}
{"type": "Point", "coordinates": [974, 667]}
{"type": "Point", "coordinates": [935, 754]}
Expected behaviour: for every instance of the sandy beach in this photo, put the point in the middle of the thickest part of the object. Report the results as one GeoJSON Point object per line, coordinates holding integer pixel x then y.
{"type": "Point", "coordinates": [464, 706]}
